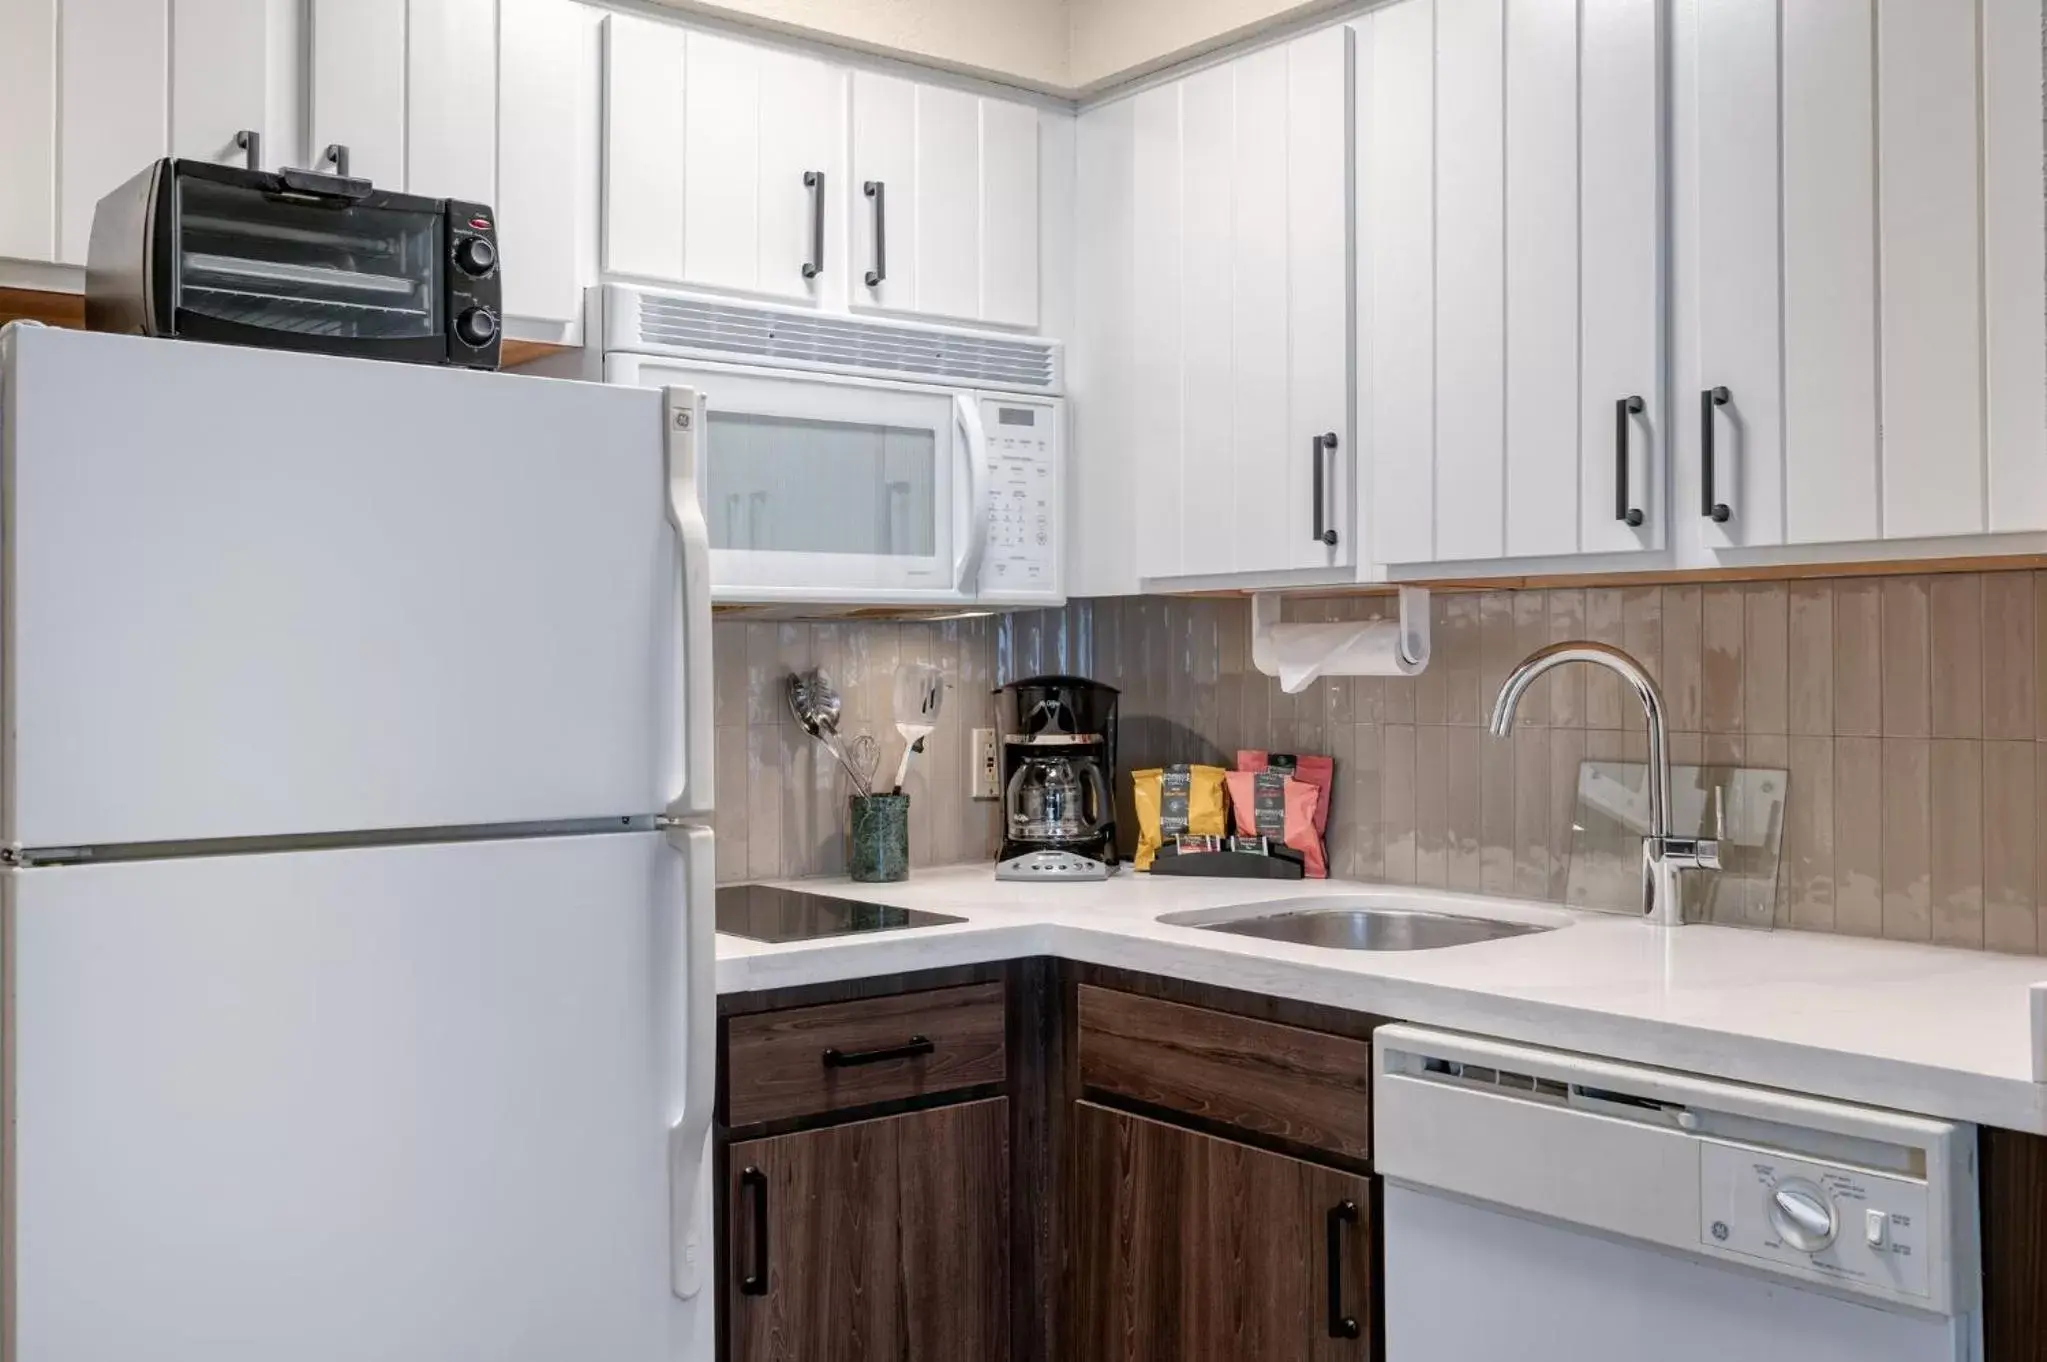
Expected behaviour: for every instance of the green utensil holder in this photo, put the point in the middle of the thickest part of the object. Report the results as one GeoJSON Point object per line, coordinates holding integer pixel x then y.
{"type": "Point", "coordinates": [878, 845]}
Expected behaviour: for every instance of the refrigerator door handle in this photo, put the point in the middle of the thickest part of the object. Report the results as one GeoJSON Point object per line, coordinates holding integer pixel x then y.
{"type": "Point", "coordinates": [687, 1250]}
{"type": "Point", "coordinates": [683, 428]}
{"type": "Point", "coordinates": [966, 570]}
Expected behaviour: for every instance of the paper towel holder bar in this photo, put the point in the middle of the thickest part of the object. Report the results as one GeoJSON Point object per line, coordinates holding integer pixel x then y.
{"type": "Point", "coordinates": [1414, 630]}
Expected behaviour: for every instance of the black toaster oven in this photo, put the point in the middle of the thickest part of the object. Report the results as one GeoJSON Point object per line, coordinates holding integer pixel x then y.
{"type": "Point", "coordinates": [295, 260]}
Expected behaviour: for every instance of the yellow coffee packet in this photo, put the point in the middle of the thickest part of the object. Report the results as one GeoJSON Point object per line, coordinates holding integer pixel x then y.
{"type": "Point", "coordinates": [1172, 800]}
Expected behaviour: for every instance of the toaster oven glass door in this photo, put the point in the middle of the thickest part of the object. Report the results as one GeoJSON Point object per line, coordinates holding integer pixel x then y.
{"type": "Point", "coordinates": [820, 489]}
{"type": "Point", "coordinates": [359, 271]}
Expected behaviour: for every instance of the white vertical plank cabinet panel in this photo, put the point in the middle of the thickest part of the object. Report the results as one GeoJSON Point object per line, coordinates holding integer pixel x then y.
{"type": "Point", "coordinates": [644, 128]}
{"type": "Point", "coordinates": [1210, 394]}
{"type": "Point", "coordinates": [948, 202]}
{"type": "Point", "coordinates": [1471, 321]}
{"type": "Point", "coordinates": [1401, 213]}
{"type": "Point", "coordinates": [802, 129]}
{"type": "Point", "coordinates": [1270, 469]}
{"type": "Point", "coordinates": [1621, 250]}
{"type": "Point", "coordinates": [1009, 213]}
{"type": "Point", "coordinates": [1927, 111]}
{"type": "Point", "coordinates": [359, 87]}
{"type": "Point", "coordinates": [545, 72]}
{"type": "Point", "coordinates": [113, 92]}
{"type": "Point", "coordinates": [220, 79]}
{"type": "Point", "coordinates": [451, 99]}
{"type": "Point", "coordinates": [2014, 265]}
{"type": "Point", "coordinates": [1831, 441]}
{"type": "Point", "coordinates": [28, 129]}
{"type": "Point", "coordinates": [1156, 398]}
{"type": "Point", "coordinates": [1542, 436]}
{"type": "Point", "coordinates": [1112, 452]}
{"type": "Point", "coordinates": [721, 97]}
{"type": "Point", "coordinates": [885, 154]}
{"type": "Point", "coordinates": [1739, 346]}
{"type": "Point", "coordinates": [1364, 329]}
{"type": "Point", "coordinates": [1320, 78]}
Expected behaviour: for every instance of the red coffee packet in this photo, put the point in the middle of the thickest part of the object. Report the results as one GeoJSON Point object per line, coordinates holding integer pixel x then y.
{"type": "Point", "coordinates": [1275, 806]}
{"type": "Point", "coordinates": [1316, 772]}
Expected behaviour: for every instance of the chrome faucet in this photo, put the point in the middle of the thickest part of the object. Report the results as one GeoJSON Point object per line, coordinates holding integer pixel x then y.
{"type": "Point", "coordinates": [1665, 858]}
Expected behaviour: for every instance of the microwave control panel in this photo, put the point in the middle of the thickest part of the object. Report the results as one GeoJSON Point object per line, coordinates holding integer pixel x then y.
{"type": "Point", "coordinates": [1023, 498]}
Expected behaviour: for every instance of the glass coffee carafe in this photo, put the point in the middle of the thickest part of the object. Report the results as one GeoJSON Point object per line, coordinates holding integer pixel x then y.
{"type": "Point", "coordinates": [1057, 799]}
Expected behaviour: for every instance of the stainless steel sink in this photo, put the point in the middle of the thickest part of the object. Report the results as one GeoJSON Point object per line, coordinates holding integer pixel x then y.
{"type": "Point", "coordinates": [1337, 926]}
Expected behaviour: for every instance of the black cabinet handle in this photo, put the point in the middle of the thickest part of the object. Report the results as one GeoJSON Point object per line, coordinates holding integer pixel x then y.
{"type": "Point", "coordinates": [1342, 1214]}
{"type": "Point", "coordinates": [1323, 446]}
{"type": "Point", "coordinates": [1715, 510]}
{"type": "Point", "coordinates": [875, 189]}
{"type": "Point", "coordinates": [336, 155]}
{"type": "Point", "coordinates": [755, 1282]}
{"type": "Point", "coordinates": [909, 1049]}
{"type": "Point", "coordinates": [1624, 510]}
{"type": "Point", "coordinates": [251, 144]}
{"type": "Point", "coordinates": [813, 180]}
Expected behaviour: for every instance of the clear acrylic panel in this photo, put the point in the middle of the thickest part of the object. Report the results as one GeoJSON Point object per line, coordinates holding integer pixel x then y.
{"type": "Point", "coordinates": [777, 484]}
{"type": "Point", "coordinates": [311, 267]}
{"type": "Point", "coordinates": [1743, 806]}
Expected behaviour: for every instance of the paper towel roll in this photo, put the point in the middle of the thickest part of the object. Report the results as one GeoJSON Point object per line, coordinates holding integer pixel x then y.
{"type": "Point", "coordinates": [1299, 653]}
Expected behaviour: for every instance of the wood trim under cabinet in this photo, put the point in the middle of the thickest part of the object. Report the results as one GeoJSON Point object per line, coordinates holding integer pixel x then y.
{"type": "Point", "coordinates": [1307, 1088]}
{"type": "Point", "coordinates": [37, 305]}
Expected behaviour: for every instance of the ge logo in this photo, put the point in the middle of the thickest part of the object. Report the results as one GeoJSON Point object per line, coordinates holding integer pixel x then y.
{"type": "Point", "coordinates": [682, 420]}
{"type": "Point", "coordinates": [1720, 1230]}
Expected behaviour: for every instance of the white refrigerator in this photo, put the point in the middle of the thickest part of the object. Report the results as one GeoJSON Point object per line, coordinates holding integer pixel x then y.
{"type": "Point", "coordinates": [357, 903]}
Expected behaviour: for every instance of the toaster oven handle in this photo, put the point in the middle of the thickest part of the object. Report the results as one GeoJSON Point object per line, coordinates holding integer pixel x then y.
{"type": "Point", "coordinates": [967, 567]}
{"type": "Point", "coordinates": [337, 188]}
{"type": "Point", "coordinates": [682, 417]}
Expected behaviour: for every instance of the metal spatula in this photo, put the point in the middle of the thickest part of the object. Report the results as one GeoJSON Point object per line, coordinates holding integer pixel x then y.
{"type": "Point", "coordinates": [920, 692]}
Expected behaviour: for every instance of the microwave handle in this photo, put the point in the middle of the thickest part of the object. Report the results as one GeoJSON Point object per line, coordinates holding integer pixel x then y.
{"type": "Point", "coordinates": [967, 567]}
{"type": "Point", "coordinates": [682, 430]}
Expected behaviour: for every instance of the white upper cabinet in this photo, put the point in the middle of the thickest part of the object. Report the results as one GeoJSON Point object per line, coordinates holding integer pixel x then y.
{"type": "Point", "coordinates": [1868, 355]}
{"type": "Point", "coordinates": [358, 88]}
{"type": "Point", "coordinates": [546, 197]}
{"type": "Point", "coordinates": [1510, 277]}
{"type": "Point", "coordinates": [943, 199]}
{"type": "Point", "coordinates": [1239, 371]}
{"type": "Point", "coordinates": [722, 162]}
{"type": "Point", "coordinates": [28, 130]}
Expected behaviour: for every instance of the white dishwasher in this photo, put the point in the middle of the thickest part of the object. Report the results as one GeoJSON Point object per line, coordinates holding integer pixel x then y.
{"type": "Point", "coordinates": [1547, 1207]}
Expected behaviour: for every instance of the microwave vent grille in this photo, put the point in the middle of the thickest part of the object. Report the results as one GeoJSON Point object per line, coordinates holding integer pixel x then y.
{"type": "Point", "coordinates": [843, 344]}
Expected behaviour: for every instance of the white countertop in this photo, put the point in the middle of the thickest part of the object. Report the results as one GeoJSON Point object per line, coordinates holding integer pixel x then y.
{"type": "Point", "coordinates": [1917, 1028]}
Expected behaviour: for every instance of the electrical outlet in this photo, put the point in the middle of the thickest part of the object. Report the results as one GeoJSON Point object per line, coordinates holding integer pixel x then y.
{"type": "Point", "coordinates": [987, 775]}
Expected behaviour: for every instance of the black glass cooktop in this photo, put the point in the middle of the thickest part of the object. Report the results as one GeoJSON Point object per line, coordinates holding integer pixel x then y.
{"type": "Point", "coordinates": [763, 913]}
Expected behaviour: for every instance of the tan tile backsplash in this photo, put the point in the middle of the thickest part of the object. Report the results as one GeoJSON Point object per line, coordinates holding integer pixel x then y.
{"type": "Point", "coordinates": [1909, 711]}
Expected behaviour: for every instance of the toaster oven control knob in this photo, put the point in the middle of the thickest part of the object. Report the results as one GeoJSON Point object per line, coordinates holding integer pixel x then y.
{"type": "Point", "coordinates": [476, 327]}
{"type": "Point", "coordinates": [474, 255]}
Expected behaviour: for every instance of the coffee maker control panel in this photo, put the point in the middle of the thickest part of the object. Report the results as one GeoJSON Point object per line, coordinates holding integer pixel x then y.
{"type": "Point", "coordinates": [1022, 562]}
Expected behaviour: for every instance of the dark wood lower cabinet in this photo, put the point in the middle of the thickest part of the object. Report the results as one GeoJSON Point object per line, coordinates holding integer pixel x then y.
{"type": "Point", "coordinates": [875, 1241]}
{"type": "Point", "coordinates": [1189, 1248]}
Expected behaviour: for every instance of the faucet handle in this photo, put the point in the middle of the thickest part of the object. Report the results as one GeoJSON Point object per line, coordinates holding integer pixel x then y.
{"type": "Point", "coordinates": [1692, 853]}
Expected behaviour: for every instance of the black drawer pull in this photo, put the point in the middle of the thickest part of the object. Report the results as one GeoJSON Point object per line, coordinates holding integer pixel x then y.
{"type": "Point", "coordinates": [909, 1049]}
{"type": "Point", "coordinates": [1342, 1214]}
{"type": "Point", "coordinates": [755, 1282]}
{"type": "Point", "coordinates": [1624, 509]}
{"type": "Point", "coordinates": [878, 191]}
{"type": "Point", "coordinates": [1710, 506]}
{"type": "Point", "coordinates": [1324, 446]}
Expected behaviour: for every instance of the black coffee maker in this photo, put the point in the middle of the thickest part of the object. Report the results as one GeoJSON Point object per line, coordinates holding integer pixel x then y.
{"type": "Point", "coordinates": [1058, 779]}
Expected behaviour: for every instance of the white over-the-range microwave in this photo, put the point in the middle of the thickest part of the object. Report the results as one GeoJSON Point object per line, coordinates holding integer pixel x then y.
{"type": "Point", "coordinates": [852, 461]}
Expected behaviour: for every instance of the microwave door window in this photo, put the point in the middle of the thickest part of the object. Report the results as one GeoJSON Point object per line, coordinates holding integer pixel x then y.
{"type": "Point", "coordinates": [815, 488]}
{"type": "Point", "coordinates": [353, 270]}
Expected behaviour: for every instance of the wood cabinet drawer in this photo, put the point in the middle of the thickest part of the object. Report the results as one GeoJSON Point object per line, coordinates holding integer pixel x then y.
{"type": "Point", "coordinates": [1308, 1087]}
{"type": "Point", "coordinates": [806, 1060]}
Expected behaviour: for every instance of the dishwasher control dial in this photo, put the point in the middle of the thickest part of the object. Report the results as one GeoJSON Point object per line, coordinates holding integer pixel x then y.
{"type": "Point", "coordinates": [1803, 1215]}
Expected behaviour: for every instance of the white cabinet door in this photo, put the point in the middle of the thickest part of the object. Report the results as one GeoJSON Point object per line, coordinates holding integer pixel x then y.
{"type": "Point", "coordinates": [28, 129]}
{"type": "Point", "coordinates": [547, 92]}
{"type": "Point", "coordinates": [944, 197]}
{"type": "Point", "coordinates": [113, 87]}
{"type": "Point", "coordinates": [1319, 453]}
{"type": "Point", "coordinates": [1510, 191]}
{"type": "Point", "coordinates": [1207, 206]}
{"type": "Point", "coordinates": [1156, 356]}
{"type": "Point", "coordinates": [802, 122]}
{"type": "Point", "coordinates": [1266, 477]}
{"type": "Point", "coordinates": [451, 99]}
{"type": "Point", "coordinates": [236, 67]}
{"type": "Point", "coordinates": [358, 87]}
{"type": "Point", "coordinates": [644, 128]}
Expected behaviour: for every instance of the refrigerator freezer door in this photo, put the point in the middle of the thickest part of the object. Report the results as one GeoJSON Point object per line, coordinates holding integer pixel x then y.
{"type": "Point", "coordinates": [255, 593]}
{"type": "Point", "coordinates": [410, 1103]}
